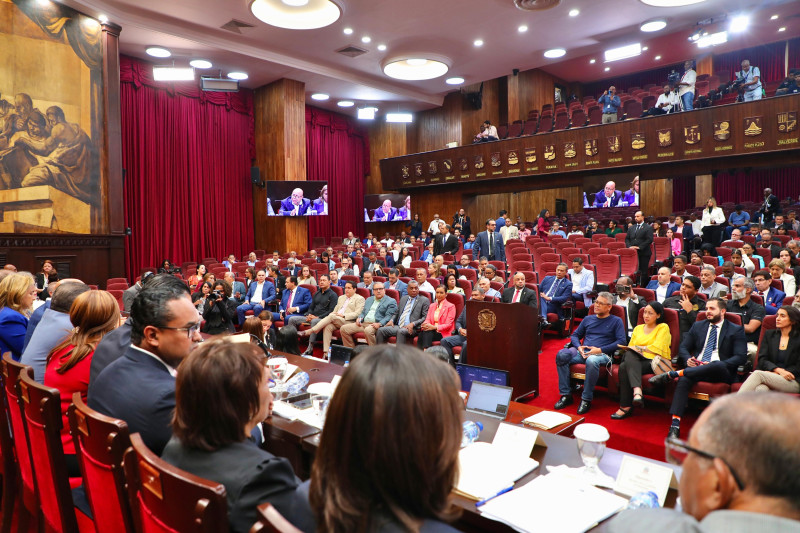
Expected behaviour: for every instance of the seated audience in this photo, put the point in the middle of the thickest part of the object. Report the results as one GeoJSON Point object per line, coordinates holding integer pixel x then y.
{"type": "Point", "coordinates": [286, 340]}
{"type": "Point", "coordinates": [42, 279]}
{"type": "Point", "coordinates": [238, 290]}
{"type": "Point", "coordinates": [459, 336]}
{"type": "Point", "coordinates": [451, 285]}
{"type": "Point", "coordinates": [582, 282]}
{"type": "Point", "coordinates": [306, 277]}
{"type": "Point", "coordinates": [772, 297]}
{"type": "Point", "coordinates": [675, 242]}
{"type": "Point", "coordinates": [378, 311]}
{"type": "Point", "coordinates": [348, 309]}
{"type": "Point", "coordinates": [650, 339]}
{"type": "Point", "coordinates": [708, 285]}
{"type": "Point", "coordinates": [592, 344]}
{"type": "Point", "coordinates": [612, 228]}
{"type": "Point", "coordinates": [260, 293]}
{"type": "Point", "coordinates": [729, 272]}
{"type": "Point", "coordinates": [687, 303]}
{"type": "Point", "coordinates": [395, 283]}
{"type": "Point", "coordinates": [139, 387]}
{"type": "Point", "coordinates": [732, 481]}
{"type": "Point", "coordinates": [367, 283]}
{"type": "Point", "coordinates": [93, 314]}
{"type": "Point", "coordinates": [554, 292]}
{"type": "Point", "coordinates": [422, 279]}
{"type": "Point", "coordinates": [409, 316]}
{"type": "Point", "coordinates": [440, 320]}
{"type": "Point", "coordinates": [712, 350]}
{"type": "Point", "coordinates": [17, 294]}
{"type": "Point", "coordinates": [679, 266]}
{"type": "Point", "coordinates": [630, 302]}
{"type": "Point", "coordinates": [667, 100]}
{"type": "Point", "coordinates": [221, 395]}
{"type": "Point", "coordinates": [519, 293]}
{"type": "Point", "coordinates": [663, 286]}
{"type": "Point", "coordinates": [295, 301]}
{"type": "Point", "coordinates": [750, 256]}
{"type": "Point", "coordinates": [751, 313]}
{"type": "Point", "coordinates": [777, 270]}
{"type": "Point", "coordinates": [779, 356]}
{"type": "Point", "coordinates": [197, 278]}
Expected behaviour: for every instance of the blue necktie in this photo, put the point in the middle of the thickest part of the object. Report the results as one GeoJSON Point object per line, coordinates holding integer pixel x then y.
{"type": "Point", "coordinates": [711, 344]}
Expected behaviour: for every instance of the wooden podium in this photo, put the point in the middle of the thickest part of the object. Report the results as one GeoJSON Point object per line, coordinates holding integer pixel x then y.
{"type": "Point", "coordinates": [506, 337]}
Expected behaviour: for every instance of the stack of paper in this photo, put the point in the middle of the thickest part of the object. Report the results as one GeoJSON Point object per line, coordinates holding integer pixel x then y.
{"type": "Point", "coordinates": [547, 420]}
{"type": "Point", "coordinates": [290, 412]}
{"type": "Point", "coordinates": [539, 505]}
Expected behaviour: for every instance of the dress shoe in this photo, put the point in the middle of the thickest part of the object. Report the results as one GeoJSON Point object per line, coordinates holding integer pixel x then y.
{"type": "Point", "coordinates": [638, 401]}
{"type": "Point", "coordinates": [563, 402]}
{"type": "Point", "coordinates": [625, 414]}
{"type": "Point", "coordinates": [660, 379]}
{"type": "Point", "coordinates": [674, 432]}
{"type": "Point", "coordinates": [584, 407]}
{"type": "Point", "coordinates": [309, 351]}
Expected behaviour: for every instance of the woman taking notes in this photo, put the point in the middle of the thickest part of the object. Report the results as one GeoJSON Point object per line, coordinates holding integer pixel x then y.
{"type": "Point", "coordinates": [648, 340]}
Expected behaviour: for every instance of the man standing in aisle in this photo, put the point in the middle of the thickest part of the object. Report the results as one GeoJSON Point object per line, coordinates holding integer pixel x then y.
{"type": "Point", "coordinates": [640, 237]}
{"type": "Point", "coordinates": [489, 244]}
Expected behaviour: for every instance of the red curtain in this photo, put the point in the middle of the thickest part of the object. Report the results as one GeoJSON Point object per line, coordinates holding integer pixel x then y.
{"type": "Point", "coordinates": [187, 157]}
{"type": "Point", "coordinates": [749, 186]}
{"type": "Point", "coordinates": [683, 193]}
{"type": "Point", "coordinates": [337, 150]}
{"type": "Point", "coordinates": [769, 58]}
{"type": "Point", "coordinates": [794, 53]}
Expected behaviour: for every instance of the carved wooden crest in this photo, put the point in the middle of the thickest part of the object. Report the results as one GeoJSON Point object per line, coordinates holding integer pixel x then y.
{"type": "Point", "coordinates": [478, 161]}
{"type": "Point", "coordinates": [691, 134]}
{"type": "Point", "coordinates": [637, 141]}
{"type": "Point", "coordinates": [530, 155]}
{"type": "Point", "coordinates": [487, 320]}
{"type": "Point", "coordinates": [613, 144]}
{"type": "Point", "coordinates": [432, 167]}
{"type": "Point", "coordinates": [406, 172]}
{"type": "Point", "coordinates": [463, 164]}
{"type": "Point", "coordinates": [590, 146]}
{"type": "Point", "coordinates": [787, 121]}
{"type": "Point", "coordinates": [665, 138]}
{"type": "Point", "coordinates": [512, 158]}
{"type": "Point", "coordinates": [569, 150]}
{"type": "Point", "coordinates": [448, 166]}
{"type": "Point", "coordinates": [496, 161]}
{"type": "Point", "coordinates": [418, 170]}
{"type": "Point", "coordinates": [752, 126]}
{"type": "Point", "coordinates": [722, 130]}
{"type": "Point", "coordinates": [549, 152]}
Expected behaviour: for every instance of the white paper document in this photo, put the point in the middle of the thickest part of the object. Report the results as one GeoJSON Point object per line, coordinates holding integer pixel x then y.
{"type": "Point", "coordinates": [547, 420]}
{"type": "Point", "coordinates": [549, 503]}
{"type": "Point", "coordinates": [637, 475]}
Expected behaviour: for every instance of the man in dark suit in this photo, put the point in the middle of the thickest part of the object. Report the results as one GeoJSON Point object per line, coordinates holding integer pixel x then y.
{"type": "Point", "coordinates": [629, 301]}
{"type": "Point", "coordinates": [385, 213]}
{"type": "Point", "coordinates": [459, 336]}
{"type": "Point", "coordinates": [294, 266]}
{"type": "Point", "coordinates": [554, 291]}
{"type": "Point", "coordinates": [640, 237]}
{"type": "Point", "coordinates": [444, 242]}
{"type": "Point", "coordinates": [395, 283]}
{"type": "Point", "coordinates": [520, 293]}
{"type": "Point", "coordinates": [462, 222]}
{"type": "Point", "coordinates": [278, 280]}
{"type": "Point", "coordinates": [489, 244]}
{"type": "Point", "coordinates": [410, 314]}
{"type": "Point", "coordinates": [373, 265]}
{"type": "Point", "coordinates": [767, 242]}
{"type": "Point", "coordinates": [139, 387]}
{"type": "Point", "coordinates": [773, 298]}
{"type": "Point", "coordinates": [687, 303]}
{"type": "Point", "coordinates": [295, 205]}
{"type": "Point", "coordinates": [295, 301]}
{"type": "Point", "coordinates": [770, 207]}
{"type": "Point", "coordinates": [712, 351]}
{"type": "Point", "coordinates": [260, 293]}
{"type": "Point", "coordinates": [663, 286]}
{"type": "Point", "coordinates": [608, 197]}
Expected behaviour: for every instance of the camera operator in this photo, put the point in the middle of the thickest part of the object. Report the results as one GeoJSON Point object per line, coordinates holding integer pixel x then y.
{"type": "Point", "coordinates": [610, 102]}
{"type": "Point", "coordinates": [686, 86]}
{"type": "Point", "coordinates": [665, 104]}
{"type": "Point", "coordinates": [749, 78]}
{"type": "Point", "coordinates": [218, 310]}
{"type": "Point", "coordinates": [628, 300]}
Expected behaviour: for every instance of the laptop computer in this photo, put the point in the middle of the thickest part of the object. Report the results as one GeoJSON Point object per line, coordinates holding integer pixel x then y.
{"type": "Point", "coordinates": [470, 373]}
{"type": "Point", "coordinates": [489, 399]}
{"type": "Point", "coordinates": [341, 355]}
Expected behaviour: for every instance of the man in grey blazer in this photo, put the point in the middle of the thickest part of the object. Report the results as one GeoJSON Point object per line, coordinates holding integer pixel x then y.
{"type": "Point", "coordinates": [378, 311]}
{"type": "Point", "coordinates": [409, 316]}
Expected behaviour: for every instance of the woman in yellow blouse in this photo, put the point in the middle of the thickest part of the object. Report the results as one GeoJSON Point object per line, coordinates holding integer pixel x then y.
{"type": "Point", "coordinates": [648, 340]}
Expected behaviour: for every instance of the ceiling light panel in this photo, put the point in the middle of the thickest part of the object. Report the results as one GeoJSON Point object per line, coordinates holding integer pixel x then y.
{"type": "Point", "coordinates": [415, 68]}
{"type": "Point", "coordinates": [311, 15]}
{"type": "Point", "coordinates": [173, 74]}
{"type": "Point", "coordinates": [157, 51]}
{"type": "Point", "coordinates": [623, 52]}
{"type": "Point", "coordinates": [399, 117]}
{"type": "Point", "coordinates": [554, 53]}
{"type": "Point", "coordinates": [653, 25]}
{"type": "Point", "coordinates": [713, 39]}
{"type": "Point", "coordinates": [671, 3]}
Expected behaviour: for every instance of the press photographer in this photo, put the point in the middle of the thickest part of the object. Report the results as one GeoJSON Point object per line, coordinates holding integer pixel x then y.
{"type": "Point", "coordinates": [749, 78]}
{"type": "Point", "coordinates": [686, 86]}
{"type": "Point", "coordinates": [218, 310]}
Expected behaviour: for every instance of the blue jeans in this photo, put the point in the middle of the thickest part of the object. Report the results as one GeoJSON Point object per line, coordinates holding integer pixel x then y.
{"type": "Point", "coordinates": [242, 309]}
{"type": "Point", "coordinates": [570, 356]}
{"type": "Point", "coordinates": [688, 101]}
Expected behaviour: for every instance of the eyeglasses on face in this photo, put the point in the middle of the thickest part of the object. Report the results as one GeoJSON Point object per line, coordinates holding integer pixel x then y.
{"type": "Point", "coordinates": [676, 451]}
{"type": "Point", "coordinates": [190, 331]}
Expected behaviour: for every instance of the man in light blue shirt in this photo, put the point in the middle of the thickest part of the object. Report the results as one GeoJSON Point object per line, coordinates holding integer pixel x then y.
{"type": "Point", "coordinates": [738, 219]}
{"type": "Point", "coordinates": [610, 102]}
{"type": "Point", "coordinates": [751, 78]}
{"type": "Point", "coordinates": [582, 282]}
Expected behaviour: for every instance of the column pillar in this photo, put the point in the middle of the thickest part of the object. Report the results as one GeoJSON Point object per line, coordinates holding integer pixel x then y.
{"type": "Point", "coordinates": [704, 187]}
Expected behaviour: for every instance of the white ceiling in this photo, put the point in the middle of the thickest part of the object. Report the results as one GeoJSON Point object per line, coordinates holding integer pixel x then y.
{"type": "Point", "coordinates": [191, 29]}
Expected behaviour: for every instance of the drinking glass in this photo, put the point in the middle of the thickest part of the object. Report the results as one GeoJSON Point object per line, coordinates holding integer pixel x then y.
{"type": "Point", "coordinates": [277, 367]}
{"type": "Point", "coordinates": [320, 402]}
{"type": "Point", "coordinates": [591, 439]}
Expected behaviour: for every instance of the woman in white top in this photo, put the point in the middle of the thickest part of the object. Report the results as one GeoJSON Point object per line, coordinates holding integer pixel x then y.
{"type": "Point", "coordinates": [306, 277]}
{"type": "Point", "coordinates": [712, 221]}
{"type": "Point", "coordinates": [778, 271]}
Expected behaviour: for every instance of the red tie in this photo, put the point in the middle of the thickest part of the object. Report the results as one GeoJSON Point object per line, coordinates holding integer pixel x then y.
{"type": "Point", "coordinates": [515, 299]}
{"type": "Point", "coordinates": [291, 297]}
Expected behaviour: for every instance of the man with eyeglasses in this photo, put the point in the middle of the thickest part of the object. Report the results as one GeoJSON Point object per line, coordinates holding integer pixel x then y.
{"type": "Point", "coordinates": [378, 311]}
{"type": "Point", "coordinates": [139, 387]}
{"type": "Point", "coordinates": [740, 467]}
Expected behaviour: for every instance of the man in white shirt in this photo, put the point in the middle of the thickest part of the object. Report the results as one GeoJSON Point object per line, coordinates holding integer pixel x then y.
{"type": "Point", "coordinates": [664, 104]}
{"type": "Point", "coordinates": [422, 280]}
{"type": "Point", "coordinates": [686, 86]}
{"type": "Point", "coordinates": [582, 282]}
{"type": "Point", "coordinates": [751, 78]}
{"type": "Point", "coordinates": [433, 227]}
{"type": "Point", "coordinates": [697, 225]}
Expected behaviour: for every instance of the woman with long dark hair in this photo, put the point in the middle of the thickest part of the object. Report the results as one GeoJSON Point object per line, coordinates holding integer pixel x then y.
{"type": "Point", "coordinates": [779, 356]}
{"type": "Point", "coordinates": [414, 226]}
{"type": "Point", "coordinates": [542, 224]}
{"type": "Point", "coordinates": [42, 279]}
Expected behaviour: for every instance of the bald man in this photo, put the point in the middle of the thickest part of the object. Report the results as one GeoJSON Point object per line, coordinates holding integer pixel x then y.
{"type": "Point", "coordinates": [295, 205]}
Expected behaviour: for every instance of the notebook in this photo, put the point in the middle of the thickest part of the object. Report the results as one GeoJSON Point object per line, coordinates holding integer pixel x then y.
{"type": "Point", "coordinates": [469, 373]}
{"type": "Point", "coordinates": [489, 399]}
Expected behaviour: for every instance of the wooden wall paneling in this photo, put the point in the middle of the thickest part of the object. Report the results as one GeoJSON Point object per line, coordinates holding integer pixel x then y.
{"type": "Point", "coordinates": [705, 65]}
{"type": "Point", "coordinates": [114, 221]}
{"type": "Point", "coordinates": [385, 140]}
{"type": "Point", "coordinates": [512, 109]}
{"type": "Point", "coordinates": [525, 204]}
{"type": "Point", "coordinates": [471, 119]}
{"type": "Point", "coordinates": [280, 155]}
{"type": "Point", "coordinates": [437, 127]}
{"type": "Point", "coordinates": [656, 196]}
{"type": "Point", "coordinates": [704, 188]}
{"type": "Point", "coordinates": [535, 88]}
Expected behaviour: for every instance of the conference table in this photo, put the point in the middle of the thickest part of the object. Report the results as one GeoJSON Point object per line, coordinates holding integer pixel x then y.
{"type": "Point", "coordinates": [298, 442]}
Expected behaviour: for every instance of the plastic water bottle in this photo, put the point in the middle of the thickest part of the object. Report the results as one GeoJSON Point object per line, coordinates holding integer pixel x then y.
{"type": "Point", "coordinates": [471, 432]}
{"type": "Point", "coordinates": [643, 500]}
{"type": "Point", "coordinates": [297, 383]}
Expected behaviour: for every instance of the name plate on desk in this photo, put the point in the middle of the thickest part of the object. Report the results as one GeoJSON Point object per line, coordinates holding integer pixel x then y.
{"type": "Point", "coordinates": [636, 475]}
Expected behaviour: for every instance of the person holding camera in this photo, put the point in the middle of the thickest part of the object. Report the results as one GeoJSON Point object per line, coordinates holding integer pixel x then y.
{"type": "Point", "coordinates": [610, 102]}
{"type": "Point", "coordinates": [749, 80]}
{"type": "Point", "coordinates": [686, 86]}
{"type": "Point", "coordinates": [629, 301]}
{"type": "Point", "coordinates": [218, 310]}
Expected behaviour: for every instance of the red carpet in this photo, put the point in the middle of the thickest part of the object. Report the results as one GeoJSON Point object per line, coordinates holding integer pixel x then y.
{"type": "Point", "coordinates": [642, 434]}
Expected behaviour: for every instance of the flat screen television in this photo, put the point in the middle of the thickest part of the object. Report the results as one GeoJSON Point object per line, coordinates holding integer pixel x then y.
{"type": "Point", "coordinates": [611, 191]}
{"type": "Point", "coordinates": [387, 207]}
{"type": "Point", "coordinates": [297, 198]}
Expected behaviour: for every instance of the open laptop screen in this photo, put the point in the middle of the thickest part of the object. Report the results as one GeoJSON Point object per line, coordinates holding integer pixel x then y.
{"type": "Point", "coordinates": [489, 399]}
{"type": "Point", "coordinates": [470, 373]}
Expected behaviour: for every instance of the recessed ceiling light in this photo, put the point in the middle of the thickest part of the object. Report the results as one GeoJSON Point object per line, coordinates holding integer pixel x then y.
{"type": "Point", "coordinates": [311, 15]}
{"type": "Point", "coordinates": [295, 3]}
{"type": "Point", "coordinates": [416, 68]}
{"type": "Point", "coordinates": [653, 25]}
{"type": "Point", "coordinates": [658, 58]}
{"type": "Point", "coordinates": [173, 74]}
{"type": "Point", "coordinates": [456, 80]}
{"type": "Point", "coordinates": [645, 49]}
{"type": "Point", "coordinates": [103, 19]}
{"type": "Point", "coordinates": [478, 42]}
{"type": "Point", "coordinates": [574, 12]}
{"type": "Point", "coordinates": [200, 63]}
{"type": "Point", "coordinates": [592, 61]}
{"type": "Point", "coordinates": [367, 113]}
{"type": "Point", "coordinates": [670, 3]}
{"type": "Point", "coordinates": [522, 29]}
{"type": "Point", "coordinates": [774, 17]}
{"type": "Point", "coordinates": [157, 51]}
{"type": "Point", "coordinates": [366, 39]}
{"type": "Point", "coordinates": [345, 103]}
{"type": "Point", "coordinates": [554, 53]}
{"type": "Point", "coordinates": [320, 96]}
{"type": "Point", "coordinates": [607, 69]}
{"type": "Point", "coordinates": [399, 117]}
{"type": "Point", "coordinates": [739, 24]}
{"type": "Point", "coordinates": [623, 52]}
{"type": "Point", "coordinates": [381, 47]}
{"type": "Point", "coordinates": [348, 31]}
{"type": "Point", "coordinates": [782, 28]}
{"type": "Point", "coordinates": [237, 75]}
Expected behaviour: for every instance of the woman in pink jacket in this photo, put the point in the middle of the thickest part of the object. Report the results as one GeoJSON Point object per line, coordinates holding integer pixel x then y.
{"type": "Point", "coordinates": [440, 320]}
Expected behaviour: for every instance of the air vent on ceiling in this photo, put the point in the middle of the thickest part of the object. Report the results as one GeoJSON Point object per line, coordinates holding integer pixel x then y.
{"type": "Point", "coordinates": [536, 5]}
{"type": "Point", "coordinates": [351, 51]}
{"type": "Point", "coordinates": [236, 26]}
